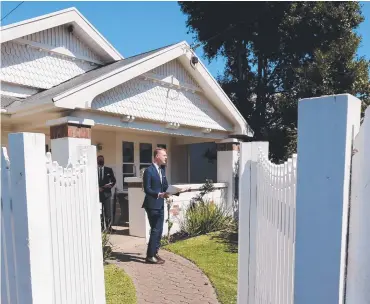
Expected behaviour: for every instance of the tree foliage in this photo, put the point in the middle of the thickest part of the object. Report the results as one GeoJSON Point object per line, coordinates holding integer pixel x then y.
{"type": "Point", "coordinates": [279, 52]}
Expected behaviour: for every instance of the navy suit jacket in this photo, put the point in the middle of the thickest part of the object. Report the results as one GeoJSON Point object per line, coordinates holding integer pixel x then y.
{"type": "Point", "coordinates": [153, 186]}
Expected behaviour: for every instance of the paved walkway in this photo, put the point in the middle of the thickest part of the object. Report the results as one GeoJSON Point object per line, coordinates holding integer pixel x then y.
{"type": "Point", "coordinates": [177, 281]}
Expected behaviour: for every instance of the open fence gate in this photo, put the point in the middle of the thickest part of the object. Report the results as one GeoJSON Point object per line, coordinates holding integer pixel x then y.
{"type": "Point", "coordinates": [269, 215]}
{"type": "Point", "coordinates": [304, 225]}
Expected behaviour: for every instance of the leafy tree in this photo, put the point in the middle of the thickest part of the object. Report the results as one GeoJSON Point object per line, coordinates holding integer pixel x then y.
{"type": "Point", "coordinates": [278, 53]}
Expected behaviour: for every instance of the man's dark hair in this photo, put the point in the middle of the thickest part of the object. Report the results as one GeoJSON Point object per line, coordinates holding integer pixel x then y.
{"type": "Point", "coordinates": [101, 156]}
{"type": "Point", "coordinates": [156, 151]}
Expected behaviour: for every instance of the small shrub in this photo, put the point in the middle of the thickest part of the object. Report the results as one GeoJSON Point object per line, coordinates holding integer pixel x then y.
{"type": "Point", "coordinates": [106, 245]}
{"type": "Point", "coordinates": [205, 189]}
{"type": "Point", "coordinates": [205, 217]}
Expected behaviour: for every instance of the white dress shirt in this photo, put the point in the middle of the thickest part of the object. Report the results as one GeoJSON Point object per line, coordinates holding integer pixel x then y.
{"type": "Point", "coordinates": [100, 172]}
{"type": "Point", "coordinates": [159, 171]}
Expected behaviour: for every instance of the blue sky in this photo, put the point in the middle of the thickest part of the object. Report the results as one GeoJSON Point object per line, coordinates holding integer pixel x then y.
{"type": "Point", "coordinates": [136, 27]}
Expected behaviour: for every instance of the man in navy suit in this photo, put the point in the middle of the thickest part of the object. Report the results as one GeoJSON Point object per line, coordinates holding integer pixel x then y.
{"type": "Point", "coordinates": [155, 186]}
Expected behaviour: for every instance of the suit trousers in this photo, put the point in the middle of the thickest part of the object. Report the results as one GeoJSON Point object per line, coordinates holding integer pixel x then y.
{"type": "Point", "coordinates": [107, 211]}
{"type": "Point", "coordinates": [156, 221]}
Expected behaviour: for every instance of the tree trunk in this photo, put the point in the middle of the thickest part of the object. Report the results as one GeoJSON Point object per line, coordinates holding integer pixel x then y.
{"type": "Point", "coordinates": [259, 112]}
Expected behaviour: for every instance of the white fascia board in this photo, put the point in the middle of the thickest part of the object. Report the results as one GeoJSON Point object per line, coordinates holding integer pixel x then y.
{"type": "Point", "coordinates": [70, 15]}
{"type": "Point", "coordinates": [82, 96]}
{"type": "Point", "coordinates": [23, 110]}
{"type": "Point", "coordinates": [241, 126]}
{"type": "Point", "coordinates": [98, 38]}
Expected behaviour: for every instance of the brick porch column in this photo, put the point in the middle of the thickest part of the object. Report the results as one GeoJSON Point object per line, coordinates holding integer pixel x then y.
{"type": "Point", "coordinates": [227, 169]}
{"type": "Point", "coordinates": [66, 134]}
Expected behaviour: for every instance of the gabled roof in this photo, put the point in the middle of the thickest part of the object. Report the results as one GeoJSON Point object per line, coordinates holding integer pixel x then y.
{"type": "Point", "coordinates": [80, 91]}
{"type": "Point", "coordinates": [71, 16]}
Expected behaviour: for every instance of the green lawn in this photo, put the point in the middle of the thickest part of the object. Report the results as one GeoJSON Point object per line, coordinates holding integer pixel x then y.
{"type": "Point", "coordinates": [217, 258]}
{"type": "Point", "coordinates": [119, 288]}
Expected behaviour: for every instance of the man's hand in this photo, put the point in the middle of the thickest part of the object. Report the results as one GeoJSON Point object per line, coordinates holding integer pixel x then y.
{"type": "Point", "coordinates": [107, 186]}
{"type": "Point", "coordinates": [163, 195]}
{"type": "Point", "coordinates": [184, 190]}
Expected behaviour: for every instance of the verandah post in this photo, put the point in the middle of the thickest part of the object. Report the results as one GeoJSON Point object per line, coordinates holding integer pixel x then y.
{"type": "Point", "coordinates": [326, 126]}
{"type": "Point", "coordinates": [227, 160]}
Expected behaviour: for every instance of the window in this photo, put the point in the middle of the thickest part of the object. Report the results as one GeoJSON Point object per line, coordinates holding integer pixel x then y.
{"type": "Point", "coordinates": [128, 152]}
{"type": "Point", "coordinates": [146, 151]}
{"type": "Point", "coordinates": [128, 166]}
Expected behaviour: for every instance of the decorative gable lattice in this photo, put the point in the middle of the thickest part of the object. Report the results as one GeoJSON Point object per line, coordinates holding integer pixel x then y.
{"type": "Point", "coordinates": [150, 99]}
{"type": "Point", "coordinates": [37, 68]}
{"type": "Point", "coordinates": [45, 59]}
{"type": "Point", "coordinates": [175, 69]}
{"type": "Point", "coordinates": [60, 37]}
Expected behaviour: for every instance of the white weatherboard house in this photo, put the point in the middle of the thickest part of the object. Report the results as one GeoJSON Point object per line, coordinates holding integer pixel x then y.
{"type": "Point", "coordinates": [61, 77]}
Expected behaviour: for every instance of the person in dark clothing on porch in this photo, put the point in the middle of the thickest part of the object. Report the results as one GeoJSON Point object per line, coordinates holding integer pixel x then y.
{"type": "Point", "coordinates": [106, 182]}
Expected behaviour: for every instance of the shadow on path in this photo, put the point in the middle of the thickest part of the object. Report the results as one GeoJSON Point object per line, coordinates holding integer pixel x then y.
{"type": "Point", "coordinates": [127, 257]}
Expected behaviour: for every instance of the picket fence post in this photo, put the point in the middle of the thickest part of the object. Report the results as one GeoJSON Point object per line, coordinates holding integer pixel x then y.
{"type": "Point", "coordinates": [326, 126]}
{"type": "Point", "coordinates": [32, 236]}
{"type": "Point", "coordinates": [247, 219]}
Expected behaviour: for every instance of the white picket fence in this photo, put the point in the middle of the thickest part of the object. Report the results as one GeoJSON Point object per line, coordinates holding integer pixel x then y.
{"type": "Point", "coordinates": [275, 229]}
{"type": "Point", "coordinates": [303, 225]}
{"type": "Point", "coordinates": [51, 240]}
{"type": "Point", "coordinates": [266, 227]}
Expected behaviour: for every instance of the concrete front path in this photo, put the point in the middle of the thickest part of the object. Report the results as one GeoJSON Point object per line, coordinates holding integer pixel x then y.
{"type": "Point", "coordinates": [177, 281]}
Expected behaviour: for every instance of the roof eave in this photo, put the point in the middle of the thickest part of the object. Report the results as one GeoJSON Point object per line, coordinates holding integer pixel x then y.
{"type": "Point", "coordinates": [24, 109]}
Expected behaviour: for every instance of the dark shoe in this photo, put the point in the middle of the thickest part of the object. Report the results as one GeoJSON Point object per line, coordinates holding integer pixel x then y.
{"type": "Point", "coordinates": [153, 260]}
{"type": "Point", "coordinates": [159, 258]}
